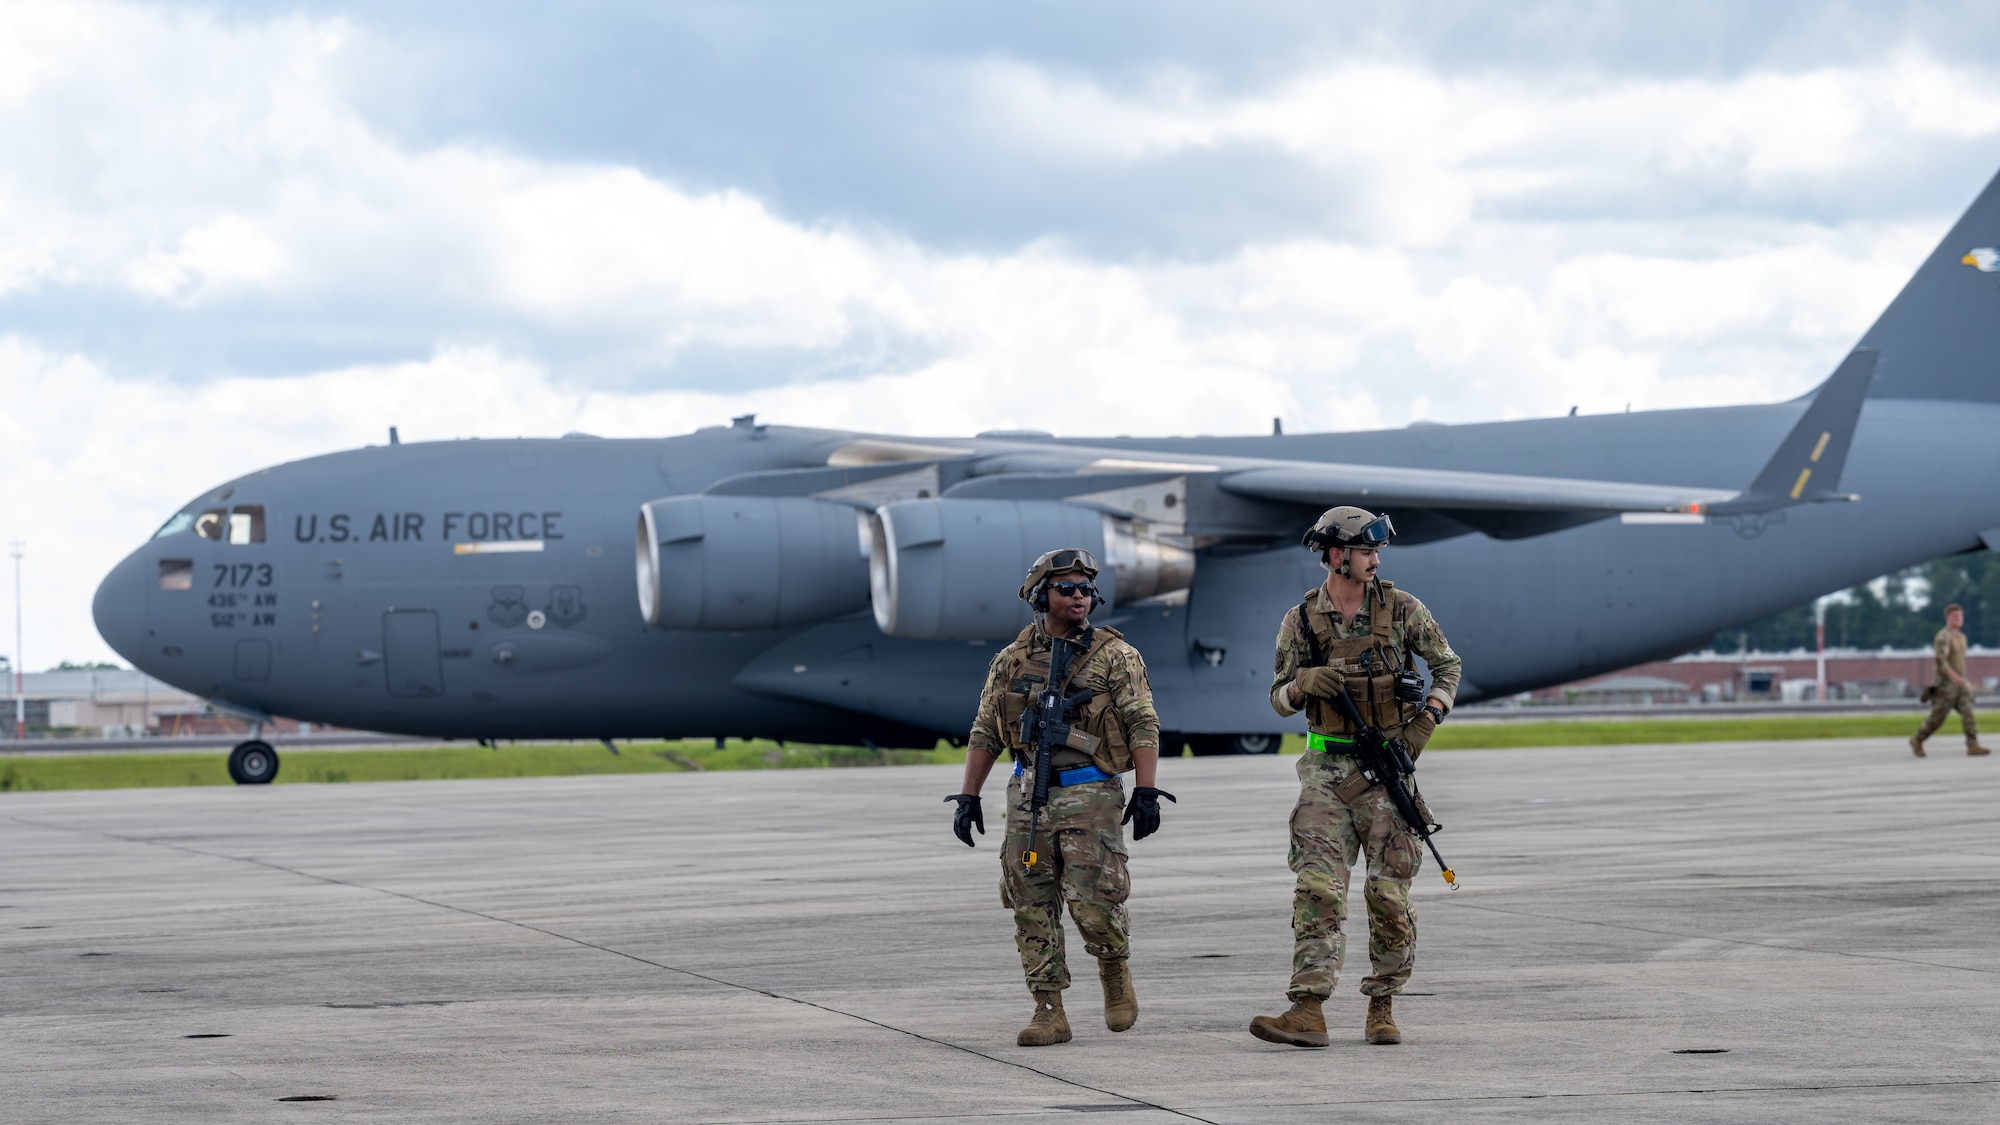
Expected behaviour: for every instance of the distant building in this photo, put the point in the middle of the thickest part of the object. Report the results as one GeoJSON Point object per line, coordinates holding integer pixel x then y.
{"type": "Point", "coordinates": [1626, 689]}
{"type": "Point", "coordinates": [113, 703]}
{"type": "Point", "coordinates": [1733, 677]}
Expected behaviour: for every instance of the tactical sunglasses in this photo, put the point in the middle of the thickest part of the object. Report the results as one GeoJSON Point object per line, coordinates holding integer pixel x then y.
{"type": "Point", "coordinates": [1072, 589]}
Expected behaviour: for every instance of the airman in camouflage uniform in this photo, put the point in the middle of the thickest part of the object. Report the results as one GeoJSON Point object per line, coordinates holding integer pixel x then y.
{"type": "Point", "coordinates": [1949, 689]}
{"type": "Point", "coordinates": [1336, 819]}
{"type": "Point", "coordinates": [1082, 844]}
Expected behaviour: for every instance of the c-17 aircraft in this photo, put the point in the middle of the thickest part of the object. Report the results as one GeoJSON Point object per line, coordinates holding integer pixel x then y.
{"type": "Point", "coordinates": [835, 586]}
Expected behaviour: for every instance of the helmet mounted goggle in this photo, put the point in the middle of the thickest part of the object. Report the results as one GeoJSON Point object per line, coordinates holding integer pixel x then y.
{"type": "Point", "coordinates": [1056, 562]}
{"type": "Point", "coordinates": [1372, 536]}
{"type": "Point", "coordinates": [1075, 558]}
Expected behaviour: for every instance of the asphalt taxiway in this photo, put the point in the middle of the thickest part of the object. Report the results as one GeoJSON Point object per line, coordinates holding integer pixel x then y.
{"type": "Point", "coordinates": [1800, 931]}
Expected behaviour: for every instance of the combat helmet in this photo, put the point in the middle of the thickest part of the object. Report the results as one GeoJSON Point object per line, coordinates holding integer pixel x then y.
{"type": "Point", "coordinates": [1347, 526]}
{"type": "Point", "coordinates": [1056, 562]}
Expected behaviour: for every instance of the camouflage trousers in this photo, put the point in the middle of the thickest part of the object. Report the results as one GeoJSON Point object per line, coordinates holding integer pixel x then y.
{"type": "Point", "coordinates": [1945, 698]}
{"type": "Point", "coordinates": [1327, 836]}
{"type": "Point", "coordinates": [1082, 862]}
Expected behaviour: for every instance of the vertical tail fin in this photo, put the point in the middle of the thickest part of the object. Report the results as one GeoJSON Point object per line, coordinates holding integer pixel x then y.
{"type": "Point", "coordinates": [1940, 337]}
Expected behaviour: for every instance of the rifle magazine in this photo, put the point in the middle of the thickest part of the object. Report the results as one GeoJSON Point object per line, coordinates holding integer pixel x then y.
{"type": "Point", "coordinates": [1352, 787]}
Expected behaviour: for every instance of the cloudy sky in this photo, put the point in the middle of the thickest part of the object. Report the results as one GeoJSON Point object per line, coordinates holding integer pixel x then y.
{"type": "Point", "coordinates": [229, 238]}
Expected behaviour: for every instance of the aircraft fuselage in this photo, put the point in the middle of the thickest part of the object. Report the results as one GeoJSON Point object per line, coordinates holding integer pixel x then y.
{"type": "Point", "coordinates": [487, 589]}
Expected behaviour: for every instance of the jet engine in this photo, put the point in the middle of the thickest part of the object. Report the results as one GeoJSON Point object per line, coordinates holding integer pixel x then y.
{"type": "Point", "coordinates": [950, 569]}
{"type": "Point", "coordinates": [749, 562]}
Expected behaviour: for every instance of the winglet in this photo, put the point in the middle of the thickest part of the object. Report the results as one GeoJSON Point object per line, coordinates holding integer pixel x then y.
{"type": "Point", "coordinates": [1806, 468]}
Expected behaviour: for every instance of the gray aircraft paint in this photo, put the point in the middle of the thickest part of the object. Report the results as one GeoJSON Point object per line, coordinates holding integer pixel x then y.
{"type": "Point", "coordinates": [368, 617]}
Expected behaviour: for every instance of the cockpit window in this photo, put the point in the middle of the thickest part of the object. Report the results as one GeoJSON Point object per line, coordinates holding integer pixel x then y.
{"type": "Point", "coordinates": [176, 574]}
{"type": "Point", "coordinates": [242, 524]}
{"type": "Point", "coordinates": [246, 523]}
{"type": "Point", "coordinates": [180, 522]}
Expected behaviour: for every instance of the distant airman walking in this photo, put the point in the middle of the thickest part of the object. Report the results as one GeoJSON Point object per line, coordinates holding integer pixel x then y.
{"type": "Point", "coordinates": [1949, 688]}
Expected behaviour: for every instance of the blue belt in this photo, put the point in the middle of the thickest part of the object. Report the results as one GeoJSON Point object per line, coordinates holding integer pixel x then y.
{"type": "Point", "coordinates": [1074, 777]}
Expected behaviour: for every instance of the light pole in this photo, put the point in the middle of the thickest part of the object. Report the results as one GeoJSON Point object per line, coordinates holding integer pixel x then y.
{"type": "Point", "coordinates": [1819, 638]}
{"type": "Point", "coordinates": [15, 548]}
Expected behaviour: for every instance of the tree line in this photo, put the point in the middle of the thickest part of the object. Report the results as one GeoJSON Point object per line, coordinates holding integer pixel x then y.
{"type": "Point", "coordinates": [1902, 610]}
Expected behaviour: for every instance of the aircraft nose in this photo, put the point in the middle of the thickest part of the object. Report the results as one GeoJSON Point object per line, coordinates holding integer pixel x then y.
{"type": "Point", "coordinates": [120, 607]}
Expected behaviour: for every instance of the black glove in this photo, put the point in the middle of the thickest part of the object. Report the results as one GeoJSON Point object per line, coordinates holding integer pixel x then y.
{"type": "Point", "coordinates": [1145, 807]}
{"type": "Point", "coordinates": [969, 817]}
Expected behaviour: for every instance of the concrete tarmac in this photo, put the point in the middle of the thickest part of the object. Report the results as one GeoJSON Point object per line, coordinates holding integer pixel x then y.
{"type": "Point", "coordinates": [1780, 932]}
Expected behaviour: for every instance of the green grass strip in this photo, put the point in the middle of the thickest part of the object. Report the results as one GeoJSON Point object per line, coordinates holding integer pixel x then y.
{"type": "Point", "coordinates": [432, 763]}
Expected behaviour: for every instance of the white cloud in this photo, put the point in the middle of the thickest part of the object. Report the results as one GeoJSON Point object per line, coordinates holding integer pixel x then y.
{"type": "Point", "coordinates": [1424, 149]}
{"type": "Point", "coordinates": [225, 253]}
{"type": "Point", "coordinates": [262, 185]}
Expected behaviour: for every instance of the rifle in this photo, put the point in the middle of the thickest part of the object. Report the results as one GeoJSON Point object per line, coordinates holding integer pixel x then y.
{"type": "Point", "coordinates": [1045, 726]}
{"type": "Point", "coordinates": [1386, 762]}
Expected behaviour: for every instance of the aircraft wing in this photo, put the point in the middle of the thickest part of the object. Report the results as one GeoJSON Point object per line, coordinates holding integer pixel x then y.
{"type": "Point", "coordinates": [1223, 496]}
{"type": "Point", "coordinates": [1247, 495]}
{"type": "Point", "coordinates": [1805, 468]}
{"type": "Point", "coordinates": [1256, 496]}
{"type": "Point", "coordinates": [1318, 484]}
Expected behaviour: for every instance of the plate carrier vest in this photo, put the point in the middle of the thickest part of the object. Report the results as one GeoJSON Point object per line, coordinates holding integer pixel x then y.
{"type": "Point", "coordinates": [1098, 717]}
{"type": "Point", "coordinates": [1375, 693]}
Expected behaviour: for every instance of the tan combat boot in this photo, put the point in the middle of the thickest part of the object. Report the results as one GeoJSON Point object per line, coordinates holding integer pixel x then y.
{"type": "Point", "coordinates": [1916, 746]}
{"type": "Point", "coordinates": [1303, 1026]}
{"type": "Point", "coordinates": [1381, 1026]}
{"type": "Point", "coordinates": [1121, 1006]}
{"type": "Point", "coordinates": [1975, 750]}
{"type": "Point", "coordinates": [1049, 1026]}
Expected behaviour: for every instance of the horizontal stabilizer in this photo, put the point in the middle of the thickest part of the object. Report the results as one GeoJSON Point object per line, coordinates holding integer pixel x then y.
{"type": "Point", "coordinates": [1807, 466]}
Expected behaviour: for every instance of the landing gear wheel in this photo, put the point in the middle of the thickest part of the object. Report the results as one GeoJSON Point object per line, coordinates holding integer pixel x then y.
{"type": "Point", "coordinates": [253, 763]}
{"type": "Point", "coordinates": [1254, 743]}
{"type": "Point", "coordinates": [1208, 745]}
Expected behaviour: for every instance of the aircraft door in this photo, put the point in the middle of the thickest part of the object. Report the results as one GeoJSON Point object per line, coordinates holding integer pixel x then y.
{"type": "Point", "coordinates": [410, 655]}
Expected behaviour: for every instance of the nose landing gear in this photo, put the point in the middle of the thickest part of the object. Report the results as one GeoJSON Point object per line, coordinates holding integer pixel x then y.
{"type": "Point", "coordinates": [253, 763]}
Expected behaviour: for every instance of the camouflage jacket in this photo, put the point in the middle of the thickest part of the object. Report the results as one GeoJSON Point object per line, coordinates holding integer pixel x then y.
{"type": "Point", "coordinates": [1115, 672]}
{"type": "Point", "coordinates": [1948, 652]}
{"type": "Point", "coordinates": [1415, 631]}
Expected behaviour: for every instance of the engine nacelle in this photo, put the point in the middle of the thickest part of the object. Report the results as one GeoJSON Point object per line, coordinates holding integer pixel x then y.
{"type": "Point", "coordinates": [951, 569]}
{"type": "Point", "coordinates": [749, 562]}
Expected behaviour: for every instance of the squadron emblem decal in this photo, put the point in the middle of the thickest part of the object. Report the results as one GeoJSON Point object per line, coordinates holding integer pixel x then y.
{"type": "Point", "coordinates": [566, 605]}
{"type": "Point", "coordinates": [1984, 259]}
{"type": "Point", "coordinates": [509, 607]}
